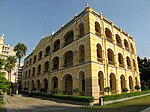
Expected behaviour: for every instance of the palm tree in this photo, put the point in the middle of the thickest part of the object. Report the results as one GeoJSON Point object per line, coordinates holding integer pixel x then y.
{"type": "Point", "coordinates": [10, 64]}
{"type": "Point", "coordinates": [20, 50]}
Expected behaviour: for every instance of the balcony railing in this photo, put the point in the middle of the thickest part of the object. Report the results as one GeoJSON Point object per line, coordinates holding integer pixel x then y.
{"type": "Point", "coordinates": [111, 62]}
{"type": "Point", "coordinates": [46, 54]}
{"type": "Point", "coordinates": [68, 64]}
{"type": "Point", "coordinates": [110, 40]}
{"type": "Point", "coordinates": [56, 49]}
{"type": "Point", "coordinates": [127, 48]}
{"type": "Point", "coordinates": [39, 58]}
{"type": "Point", "coordinates": [121, 65]}
{"type": "Point", "coordinates": [81, 60]}
{"type": "Point", "coordinates": [129, 67]}
{"type": "Point", "coordinates": [99, 59]}
{"type": "Point", "coordinates": [55, 68]}
{"type": "Point", "coordinates": [38, 73]}
{"type": "Point", "coordinates": [97, 33]}
{"type": "Point", "coordinates": [68, 42]}
{"type": "Point", "coordinates": [118, 44]}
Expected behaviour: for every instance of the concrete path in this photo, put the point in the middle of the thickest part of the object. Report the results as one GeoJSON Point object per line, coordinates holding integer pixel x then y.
{"type": "Point", "coordinates": [27, 104]}
{"type": "Point", "coordinates": [146, 110]}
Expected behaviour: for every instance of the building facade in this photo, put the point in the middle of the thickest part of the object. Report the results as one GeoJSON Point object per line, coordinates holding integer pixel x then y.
{"type": "Point", "coordinates": [5, 51]}
{"type": "Point", "coordinates": [89, 53]}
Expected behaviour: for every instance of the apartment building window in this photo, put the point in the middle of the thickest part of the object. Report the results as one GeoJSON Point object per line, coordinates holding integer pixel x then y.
{"type": "Point", "coordinates": [46, 66]}
{"type": "Point", "coordinates": [29, 73]}
{"type": "Point", "coordinates": [99, 53]}
{"type": "Point", "coordinates": [132, 49]}
{"type": "Point", "coordinates": [110, 55]}
{"type": "Point", "coordinates": [47, 51]}
{"type": "Point", "coordinates": [128, 62]}
{"type": "Point", "coordinates": [81, 29]}
{"type": "Point", "coordinates": [126, 44]}
{"type": "Point", "coordinates": [68, 59]}
{"type": "Point", "coordinates": [34, 59]}
{"type": "Point", "coordinates": [134, 65]}
{"type": "Point", "coordinates": [55, 63]}
{"type": "Point", "coordinates": [33, 70]}
{"type": "Point", "coordinates": [56, 45]}
{"type": "Point", "coordinates": [81, 54]}
{"type": "Point", "coordinates": [120, 59]}
{"type": "Point", "coordinates": [69, 37]}
{"type": "Point", "coordinates": [118, 40]}
{"type": "Point", "coordinates": [30, 61]}
{"type": "Point", "coordinates": [108, 34]}
{"type": "Point", "coordinates": [97, 29]}
{"type": "Point", "coordinates": [40, 55]}
{"type": "Point", "coordinates": [39, 70]}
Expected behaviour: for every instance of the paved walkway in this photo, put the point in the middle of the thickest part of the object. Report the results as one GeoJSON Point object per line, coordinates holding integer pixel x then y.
{"type": "Point", "coordinates": [27, 104]}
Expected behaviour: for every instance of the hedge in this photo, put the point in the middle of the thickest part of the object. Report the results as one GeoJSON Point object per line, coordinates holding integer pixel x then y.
{"type": "Point", "coordinates": [66, 97]}
{"type": "Point", "coordinates": [124, 95]}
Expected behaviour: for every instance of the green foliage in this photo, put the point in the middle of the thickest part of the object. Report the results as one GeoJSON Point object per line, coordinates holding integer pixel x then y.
{"type": "Point", "coordinates": [67, 97]}
{"type": "Point", "coordinates": [137, 87]}
{"type": "Point", "coordinates": [76, 90]}
{"type": "Point", "coordinates": [55, 91]}
{"type": "Point", "coordinates": [144, 68]}
{"type": "Point", "coordinates": [145, 88]}
{"type": "Point", "coordinates": [124, 95]}
{"type": "Point", "coordinates": [107, 89]}
{"type": "Point", "coordinates": [125, 90]}
{"type": "Point", "coordinates": [43, 90]}
{"type": "Point", "coordinates": [4, 84]}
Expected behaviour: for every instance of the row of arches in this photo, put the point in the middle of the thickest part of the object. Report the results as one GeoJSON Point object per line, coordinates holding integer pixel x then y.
{"type": "Point", "coordinates": [67, 84]}
{"type": "Point", "coordinates": [111, 59]}
{"type": "Point", "coordinates": [109, 37]}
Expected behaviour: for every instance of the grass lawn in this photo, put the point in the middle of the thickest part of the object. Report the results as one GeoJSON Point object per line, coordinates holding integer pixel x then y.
{"type": "Point", "coordinates": [134, 105]}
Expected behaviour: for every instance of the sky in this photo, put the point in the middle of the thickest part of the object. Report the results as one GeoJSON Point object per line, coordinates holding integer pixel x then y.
{"type": "Point", "coordinates": [27, 21]}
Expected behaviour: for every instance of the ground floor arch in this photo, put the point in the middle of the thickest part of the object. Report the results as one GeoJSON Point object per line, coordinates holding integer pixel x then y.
{"type": "Point", "coordinates": [45, 84]}
{"type": "Point", "coordinates": [67, 84]}
{"type": "Point", "coordinates": [38, 84]}
{"type": "Point", "coordinates": [130, 83]}
{"type": "Point", "coordinates": [101, 82]}
{"type": "Point", "coordinates": [122, 82]}
{"type": "Point", "coordinates": [113, 83]}
{"type": "Point", "coordinates": [54, 83]}
{"type": "Point", "coordinates": [82, 83]}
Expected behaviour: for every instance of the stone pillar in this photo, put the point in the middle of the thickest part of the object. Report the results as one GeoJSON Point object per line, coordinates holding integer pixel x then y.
{"type": "Point", "coordinates": [76, 86]}
{"type": "Point", "coordinates": [61, 87]}
{"type": "Point", "coordinates": [95, 92]}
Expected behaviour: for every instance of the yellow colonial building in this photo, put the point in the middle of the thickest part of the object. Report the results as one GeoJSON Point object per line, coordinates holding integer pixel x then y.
{"type": "Point", "coordinates": [89, 53]}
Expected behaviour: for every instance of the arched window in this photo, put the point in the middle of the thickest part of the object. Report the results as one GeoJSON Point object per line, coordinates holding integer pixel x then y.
{"type": "Point", "coordinates": [110, 55]}
{"type": "Point", "coordinates": [27, 64]}
{"type": "Point", "coordinates": [56, 63]}
{"type": "Point", "coordinates": [134, 65]}
{"type": "Point", "coordinates": [26, 74]}
{"type": "Point", "coordinates": [34, 59]}
{"type": "Point", "coordinates": [54, 83]}
{"type": "Point", "coordinates": [81, 54]}
{"type": "Point", "coordinates": [97, 29]}
{"type": "Point", "coordinates": [29, 73]}
{"type": "Point", "coordinates": [69, 37]}
{"type": "Point", "coordinates": [39, 70]}
{"type": "Point", "coordinates": [30, 61]}
{"type": "Point", "coordinates": [118, 40]}
{"type": "Point", "coordinates": [120, 59]}
{"type": "Point", "coordinates": [46, 66]}
{"type": "Point", "coordinates": [126, 44]}
{"type": "Point", "coordinates": [40, 55]}
{"type": "Point", "coordinates": [132, 49]}
{"type": "Point", "coordinates": [123, 83]}
{"type": "Point", "coordinates": [108, 35]}
{"type": "Point", "coordinates": [33, 71]}
{"type": "Point", "coordinates": [81, 29]}
{"type": "Point", "coordinates": [47, 51]}
{"type": "Point", "coordinates": [128, 62]}
{"type": "Point", "coordinates": [56, 45]}
{"type": "Point", "coordinates": [68, 59]}
{"type": "Point", "coordinates": [99, 53]}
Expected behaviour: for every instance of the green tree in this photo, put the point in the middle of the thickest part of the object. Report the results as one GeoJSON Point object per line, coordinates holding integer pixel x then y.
{"type": "Point", "coordinates": [9, 66]}
{"type": "Point", "coordinates": [20, 50]}
{"type": "Point", "coordinates": [4, 84]}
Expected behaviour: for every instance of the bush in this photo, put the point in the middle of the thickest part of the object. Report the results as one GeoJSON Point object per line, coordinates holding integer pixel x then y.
{"type": "Point", "coordinates": [67, 97]}
{"type": "Point", "coordinates": [43, 90]}
{"type": "Point", "coordinates": [55, 91]}
{"type": "Point", "coordinates": [145, 88]}
{"type": "Point", "coordinates": [77, 90]}
{"type": "Point", "coordinates": [124, 95]}
{"type": "Point", "coordinates": [33, 89]}
{"type": "Point", "coordinates": [107, 89]}
{"type": "Point", "coordinates": [125, 90]}
{"type": "Point", "coordinates": [137, 87]}
{"type": "Point", "coordinates": [26, 89]}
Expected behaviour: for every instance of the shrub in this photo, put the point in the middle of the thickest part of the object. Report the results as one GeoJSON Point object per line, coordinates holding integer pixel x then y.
{"type": "Point", "coordinates": [43, 90]}
{"type": "Point", "coordinates": [26, 89]}
{"type": "Point", "coordinates": [125, 90]}
{"type": "Point", "coordinates": [77, 90]}
{"type": "Point", "coordinates": [107, 89]}
{"type": "Point", "coordinates": [137, 87]}
{"type": "Point", "coordinates": [33, 89]}
{"type": "Point", "coordinates": [144, 88]}
{"type": "Point", "coordinates": [55, 91]}
{"type": "Point", "coordinates": [67, 97]}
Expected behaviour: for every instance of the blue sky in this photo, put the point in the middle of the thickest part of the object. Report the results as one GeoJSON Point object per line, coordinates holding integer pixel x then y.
{"type": "Point", "coordinates": [27, 20]}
